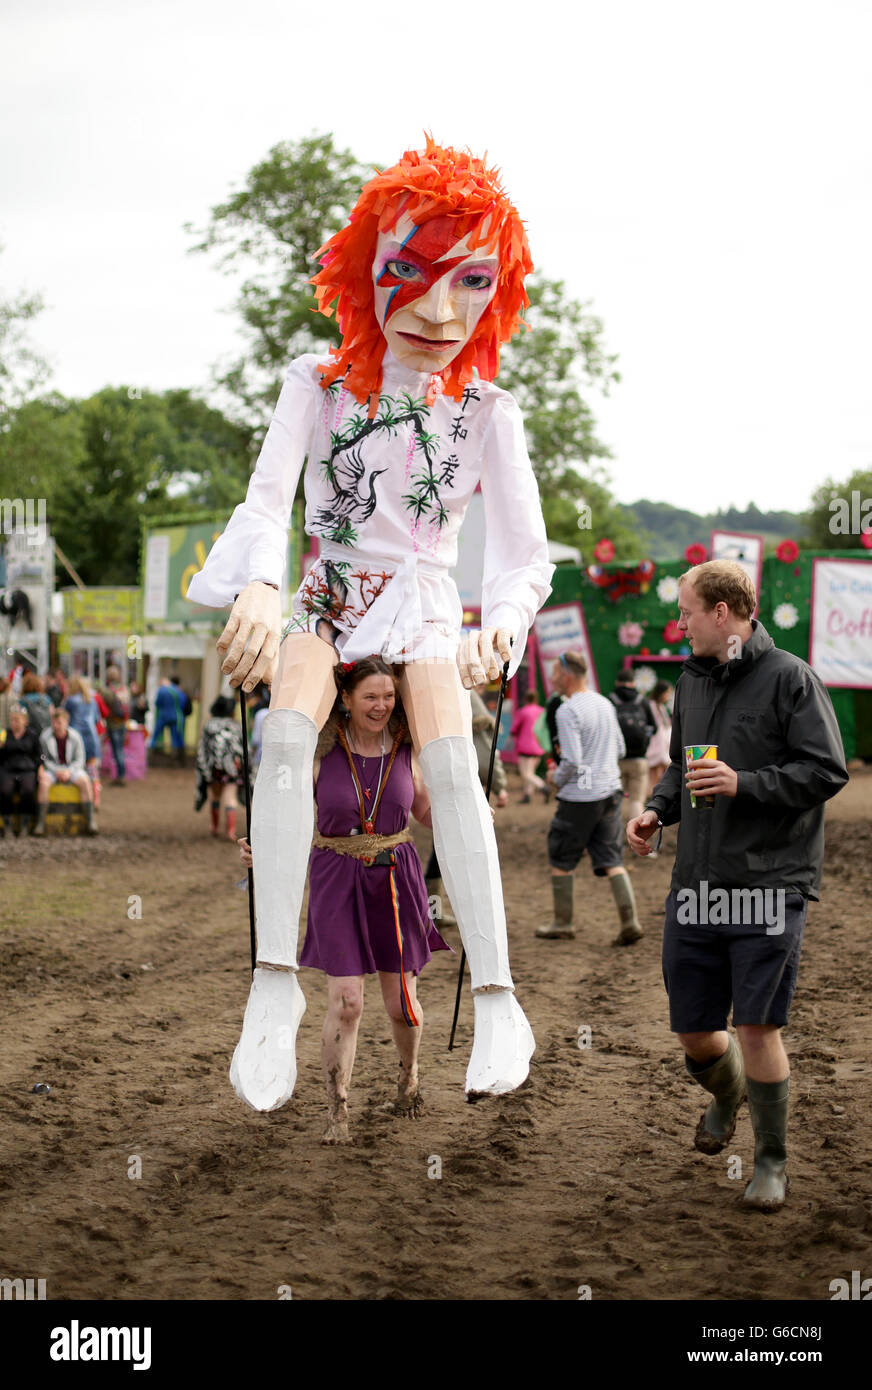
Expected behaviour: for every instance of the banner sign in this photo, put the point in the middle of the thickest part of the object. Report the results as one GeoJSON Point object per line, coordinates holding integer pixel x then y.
{"type": "Point", "coordinates": [113, 611]}
{"type": "Point", "coordinates": [173, 555]}
{"type": "Point", "coordinates": [563, 629]}
{"type": "Point", "coordinates": [840, 639]}
{"type": "Point", "coordinates": [747, 551]}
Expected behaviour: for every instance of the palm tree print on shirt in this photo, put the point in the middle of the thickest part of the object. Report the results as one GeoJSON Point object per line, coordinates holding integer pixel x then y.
{"type": "Point", "coordinates": [354, 493]}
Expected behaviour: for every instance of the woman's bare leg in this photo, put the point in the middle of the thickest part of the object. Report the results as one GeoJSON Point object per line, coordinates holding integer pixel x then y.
{"type": "Point", "coordinates": [338, 1048]}
{"type": "Point", "coordinates": [408, 1040]}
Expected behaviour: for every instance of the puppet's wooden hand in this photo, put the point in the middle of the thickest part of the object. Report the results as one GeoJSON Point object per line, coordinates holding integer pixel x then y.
{"type": "Point", "coordinates": [476, 658]}
{"type": "Point", "coordinates": [250, 641]}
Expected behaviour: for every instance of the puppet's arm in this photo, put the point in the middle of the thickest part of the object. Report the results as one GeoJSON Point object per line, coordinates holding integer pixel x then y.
{"type": "Point", "coordinates": [246, 564]}
{"type": "Point", "coordinates": [517, 571]}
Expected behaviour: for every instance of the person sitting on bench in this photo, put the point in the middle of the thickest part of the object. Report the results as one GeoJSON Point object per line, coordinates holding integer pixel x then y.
{"type": "Point", "coordinates": [63, 755]}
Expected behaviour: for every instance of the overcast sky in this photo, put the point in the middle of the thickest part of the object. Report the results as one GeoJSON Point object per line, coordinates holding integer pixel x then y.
{"type": "Point", "coordinates": [700, 171]}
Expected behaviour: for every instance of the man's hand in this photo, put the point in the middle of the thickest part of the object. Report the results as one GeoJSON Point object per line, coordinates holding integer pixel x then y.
{"type": "Point", "coordinates": [251, 637]}
{"type": "Point", "coordinates": [63, 775]}
{"type": "Point", "coordinates": [245, 852]}
{"type": "Point", "coordinates": [640, 830]}
{"type": "Point", "coordinates": [476, 658]}
{"type": "Point", "coordinates": [711, 777]}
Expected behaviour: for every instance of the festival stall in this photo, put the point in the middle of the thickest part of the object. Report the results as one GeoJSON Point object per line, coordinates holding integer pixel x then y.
{"type": "Point", "coordinates": [178, 635]}
{"type": "Point", "coordinates": [815, 604]}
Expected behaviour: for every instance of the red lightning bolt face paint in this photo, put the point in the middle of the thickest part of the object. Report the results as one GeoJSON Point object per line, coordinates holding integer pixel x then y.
{"type": "Point", "coordinates": [420, 259]}
{"type": "Point", "coordinates": [430, 291]}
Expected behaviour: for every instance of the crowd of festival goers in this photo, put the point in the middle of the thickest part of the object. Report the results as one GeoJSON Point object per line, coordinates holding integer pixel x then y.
{"type": "Point", "coordinates": [56, 728]}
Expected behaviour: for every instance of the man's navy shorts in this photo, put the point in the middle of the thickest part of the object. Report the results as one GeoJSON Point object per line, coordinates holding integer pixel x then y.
{"type": "Point", "coordinates": [594, 826]}
{"type": "Point", "coordinates": [747, 964]}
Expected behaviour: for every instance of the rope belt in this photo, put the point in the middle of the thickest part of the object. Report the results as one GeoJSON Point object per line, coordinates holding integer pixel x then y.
{"type": "Point", "coordinates": [364, 847]}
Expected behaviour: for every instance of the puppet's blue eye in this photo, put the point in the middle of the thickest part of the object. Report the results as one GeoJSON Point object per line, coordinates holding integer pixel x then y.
{"type": "Point", "coordinates": [403, 270]}
{"type": "Point", "coordinates": [476, 282]}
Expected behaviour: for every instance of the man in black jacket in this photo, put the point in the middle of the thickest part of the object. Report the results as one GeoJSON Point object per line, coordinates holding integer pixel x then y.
{"type": "Point", "coordinates": [749, 858]}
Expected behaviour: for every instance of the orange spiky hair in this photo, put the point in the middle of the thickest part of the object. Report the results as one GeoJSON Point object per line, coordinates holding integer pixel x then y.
{"type": "Point", "coordinates": [433, 183]}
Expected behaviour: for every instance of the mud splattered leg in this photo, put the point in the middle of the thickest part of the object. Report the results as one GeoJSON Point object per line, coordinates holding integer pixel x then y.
{"type": "Point", "coordinates": [338, 1047]}
{"type": "Point", "coordinates": [409, 1102]}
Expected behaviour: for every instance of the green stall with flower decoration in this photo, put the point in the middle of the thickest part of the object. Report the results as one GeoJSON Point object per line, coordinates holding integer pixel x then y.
{"type": "Point", "coordinates": [630, 612]}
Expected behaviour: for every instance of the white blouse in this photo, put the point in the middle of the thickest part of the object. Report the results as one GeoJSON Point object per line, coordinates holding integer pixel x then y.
{"type": "Point", "coordinates": [392, 492]}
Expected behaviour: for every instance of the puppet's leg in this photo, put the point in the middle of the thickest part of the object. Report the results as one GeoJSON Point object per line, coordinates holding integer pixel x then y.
{"type": "Point", "coordinates": [440, 720]}
{"type": "Point", "coordinates": [264, 1067]}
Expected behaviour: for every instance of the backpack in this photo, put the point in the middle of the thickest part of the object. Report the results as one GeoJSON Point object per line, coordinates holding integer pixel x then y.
{"type": "Point", "coordinates": [542, 733]}
{"type": "Point", "coordinates": [118, 710]}
{"type": "Point", "coordinates": [635, 724]}
{"type": "Point", "coordinates": [38, 712]}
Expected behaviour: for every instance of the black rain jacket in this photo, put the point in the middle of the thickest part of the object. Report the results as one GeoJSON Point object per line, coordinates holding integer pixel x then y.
{"type": "Point", "coordinates": [774, 724]}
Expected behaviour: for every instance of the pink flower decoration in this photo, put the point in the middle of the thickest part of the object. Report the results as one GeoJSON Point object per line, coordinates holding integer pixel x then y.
{"type": "Point", "coordinates": [866, 540]}
{"type": "Point", "coordinates": [695, 554]}
{"type": "Point", "coordinates": [787, 552]}
{"type": "Point", "coordinates": [672, 632]}
{"type": "Point", "coordinates": [630, 634]}
{"type": "Point", "coordinates": [604, 551]}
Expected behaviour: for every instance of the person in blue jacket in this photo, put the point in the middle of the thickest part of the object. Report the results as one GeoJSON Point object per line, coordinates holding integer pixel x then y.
{"type": "Point", "coordinates": [170, 713]}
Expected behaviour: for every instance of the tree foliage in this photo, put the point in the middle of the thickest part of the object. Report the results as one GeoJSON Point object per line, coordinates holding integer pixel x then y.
{"type": "Point", "coordinates": [551, 370]}
{"type": "Point", "coordinates": [23, 370]}
{"type": "Point", "coordinates": [101, 463]}
{"type": "Point", "coordinates": [290, 203]}
{"type": "Point", "coordinates": [830, 504]}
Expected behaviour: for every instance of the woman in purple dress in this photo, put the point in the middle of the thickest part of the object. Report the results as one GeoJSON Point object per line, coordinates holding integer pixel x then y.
{"type": "Point", "coordinates": [368, 907]}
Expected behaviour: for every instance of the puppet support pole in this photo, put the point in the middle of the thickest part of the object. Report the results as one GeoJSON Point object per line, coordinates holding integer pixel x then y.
{"type": "Point", "coordinates": [247, 774]}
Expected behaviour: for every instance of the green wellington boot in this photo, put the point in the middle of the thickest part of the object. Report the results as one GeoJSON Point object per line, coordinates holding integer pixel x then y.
{"type": "Point", "coordinates": [562, 886]}
{"type": "Point", "coordinates": [767, 1102]}
{"type": "Point", "coordinates": [725, 1079]}
{"type": "Point", "coordinates": [622, 892]}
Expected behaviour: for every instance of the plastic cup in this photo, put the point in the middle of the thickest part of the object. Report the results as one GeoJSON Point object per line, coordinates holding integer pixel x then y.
{"type": "Point", "coordinates": [692, 753]}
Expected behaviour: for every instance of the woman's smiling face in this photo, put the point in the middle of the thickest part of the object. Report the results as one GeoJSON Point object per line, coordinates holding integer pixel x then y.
{"type": "Point", "coordinates": [430, 291]}
{"type": "Point", "coordinates": [371, 704]}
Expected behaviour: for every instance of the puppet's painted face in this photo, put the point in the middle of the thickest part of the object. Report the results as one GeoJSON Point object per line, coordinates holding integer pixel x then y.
{"type": "Point", "coordinates": [430, 291]}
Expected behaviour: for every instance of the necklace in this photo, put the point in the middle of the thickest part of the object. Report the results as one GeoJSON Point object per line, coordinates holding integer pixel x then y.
{"type": "Point", "coordinates": [367, 791]}
{"type": "Point", "coordinates": [367, 822]}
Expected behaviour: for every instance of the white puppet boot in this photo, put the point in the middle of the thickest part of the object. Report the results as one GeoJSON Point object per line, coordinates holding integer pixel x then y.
{"type": "Point", "coordinates": [466, 847]}
{"type": "Point", "coordinates": [263, 1071]}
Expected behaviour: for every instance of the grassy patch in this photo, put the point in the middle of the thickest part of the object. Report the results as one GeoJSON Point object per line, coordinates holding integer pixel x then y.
{"type": "Point", "coordinates": [29, 898]}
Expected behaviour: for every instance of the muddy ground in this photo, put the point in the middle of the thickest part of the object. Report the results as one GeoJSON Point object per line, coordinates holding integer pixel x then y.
{"type": "Point", "coordinates": [587, 1176]}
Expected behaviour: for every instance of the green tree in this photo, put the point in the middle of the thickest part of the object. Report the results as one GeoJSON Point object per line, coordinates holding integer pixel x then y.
{"type": "Point", "coordinates": [99, 463]}
{"type": "Point", "coordinates": [23, 371]}
{"type": "Point", "coordinates": [41, 449]}
{"type": "Point", "coordinates": [551, 370]}
{"type": "Point", "coordinates": [291, 202]}
{"type": "Point", "coordinates": [831, 506]}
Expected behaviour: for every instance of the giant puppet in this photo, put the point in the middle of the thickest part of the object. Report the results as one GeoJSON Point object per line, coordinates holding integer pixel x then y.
{"type": "Point", "coordinates": [398, 428]}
